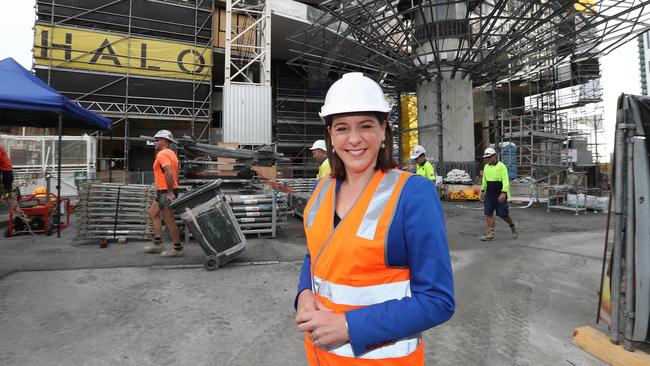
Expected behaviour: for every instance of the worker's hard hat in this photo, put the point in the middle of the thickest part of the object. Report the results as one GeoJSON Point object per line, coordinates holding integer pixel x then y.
{"type": "Point", "coordinates": [165, 134]}
{"type": "Point", "coordinates": [417, 151]}
{"type": "Point", "coordinates": [354, 93]}
{"type": "Point", "coordinates": [489, 152]}
{"type": "Point", "coordinates": [319, 145]}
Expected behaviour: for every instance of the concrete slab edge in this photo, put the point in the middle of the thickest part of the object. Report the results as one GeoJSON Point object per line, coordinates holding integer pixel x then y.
{"type": "Point", "coordinates": [597, 343]}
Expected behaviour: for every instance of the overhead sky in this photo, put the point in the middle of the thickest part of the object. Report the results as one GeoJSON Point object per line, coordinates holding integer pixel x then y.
{"type": "Point", "coordinates": [620, 69]}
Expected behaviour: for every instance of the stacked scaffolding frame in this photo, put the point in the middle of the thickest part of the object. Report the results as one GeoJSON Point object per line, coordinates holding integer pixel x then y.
{"type": "Point", "coordinates": [107, 58]}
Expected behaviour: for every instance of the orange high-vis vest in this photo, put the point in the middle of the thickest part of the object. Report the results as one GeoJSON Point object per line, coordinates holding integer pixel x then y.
{"type": "Point", "coordinates": [349, 268]}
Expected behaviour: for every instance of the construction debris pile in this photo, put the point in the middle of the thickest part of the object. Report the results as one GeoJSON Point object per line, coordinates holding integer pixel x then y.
{"type": "Point", "coordinates": [114, 211]}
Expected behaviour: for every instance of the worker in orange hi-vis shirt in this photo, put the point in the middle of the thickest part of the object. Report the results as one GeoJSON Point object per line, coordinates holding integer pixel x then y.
{"type": "Point", "coordinates": [165, 169]}
{"type": "Point", "coordinates": [7, 173]}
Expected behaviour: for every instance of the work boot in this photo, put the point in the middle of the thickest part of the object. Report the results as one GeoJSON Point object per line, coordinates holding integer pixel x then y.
{"type": "Point", "coordinates": [489, 236]}
{"type": "Point", "coordinates": [172, 252]}
{"type": "Point", "coordinates": [153, 248]}
{"type": "Point", "coordinates": [515, 230]}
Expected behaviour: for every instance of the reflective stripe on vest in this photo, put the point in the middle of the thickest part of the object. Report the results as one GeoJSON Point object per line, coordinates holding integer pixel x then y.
{"type": "Point", "coordinates": [321, 192]}
{"type": "Point", "coordinates": [361, 295]}
{"type": "Point", "coordinates": [348, 263]}
{"type": "Point", "coordinates": [398, 349]}
{"type": "Point", "coordinates": [377, 205]}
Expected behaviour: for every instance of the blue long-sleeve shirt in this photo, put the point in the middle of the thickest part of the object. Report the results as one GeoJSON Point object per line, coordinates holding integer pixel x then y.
{"type": "Point", "coordinates": [417, 239]}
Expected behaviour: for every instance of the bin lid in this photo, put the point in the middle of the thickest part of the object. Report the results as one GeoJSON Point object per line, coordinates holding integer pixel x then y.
{"type": "Point", "coordinates": [184, 199]}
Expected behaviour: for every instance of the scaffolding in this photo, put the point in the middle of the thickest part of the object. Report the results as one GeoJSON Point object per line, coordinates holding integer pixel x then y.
{"type": "Point", "coordinates": [538, 136]}
{"type": "Point", "coordinates": [551, 47]}
{"type": "Point", "coordinates": [247, 73]}
{"type": "Point", "coordinates": [563, 118]}
{"type": "Point", "coordinates": [548, 44]}
{"type": "Point", "coordinates": [145, 64]}
{"type": "Point", "coordinates": [297, 124]}
{"type": "Point", "coordinates": [644, 68]}
{"type": "Point", "coordinates": [402, 42]}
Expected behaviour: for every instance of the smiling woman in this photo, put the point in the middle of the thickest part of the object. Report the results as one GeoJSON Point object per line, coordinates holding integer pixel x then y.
{"type": "Point", "coordinates": [356, 142]}
{"type": "Point", "coordinates": [377, 272]}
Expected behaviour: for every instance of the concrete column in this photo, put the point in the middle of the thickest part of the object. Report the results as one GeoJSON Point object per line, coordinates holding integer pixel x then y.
{"type": "Point", "coordinates": [457, 119]}
{"type": "Point", "coordinates": [455, 99]}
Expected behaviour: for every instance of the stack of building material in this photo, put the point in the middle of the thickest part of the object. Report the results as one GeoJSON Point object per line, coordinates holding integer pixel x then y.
{"type": "Point", "coordinates": [458, 176]}
{"type": "Point", "coordinates": [202, 162]}
{"type": "Point", "coordinates": [114, 211]}
{"type": "Point", "coordinates": [299, 184]}
{"type": "Point", "coordinates": [259, 213]}
{"type": "Point", "coordinates": [299, 192]}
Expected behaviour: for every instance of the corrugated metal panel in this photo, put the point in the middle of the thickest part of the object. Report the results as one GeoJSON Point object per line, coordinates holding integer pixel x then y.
{"type": "Point", "coordinates": [247, 114]}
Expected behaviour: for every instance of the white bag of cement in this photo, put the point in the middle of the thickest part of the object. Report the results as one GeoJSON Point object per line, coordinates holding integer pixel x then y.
{"type": "Point", "coordinates": [458, 176]}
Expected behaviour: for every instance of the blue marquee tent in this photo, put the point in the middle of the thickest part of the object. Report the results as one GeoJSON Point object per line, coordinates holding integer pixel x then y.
{"type": "Point", "coordinates": [25, 100]}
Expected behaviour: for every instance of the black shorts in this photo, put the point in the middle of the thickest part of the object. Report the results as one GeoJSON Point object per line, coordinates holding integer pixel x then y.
{"type": "Point", "coordinates": [162, 200]}
{"type": "Point", "coordinates": [491, 203]}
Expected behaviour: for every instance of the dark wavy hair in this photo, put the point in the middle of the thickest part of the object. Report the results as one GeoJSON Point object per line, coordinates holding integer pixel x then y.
{"type": "Point", "coordinates": [384, 160]}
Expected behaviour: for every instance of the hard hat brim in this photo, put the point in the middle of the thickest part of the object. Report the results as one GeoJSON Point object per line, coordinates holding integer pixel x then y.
{"type": "Point", "coordinates": [167, 138]}
{"type": "Point", "coordinates": [326, 112]}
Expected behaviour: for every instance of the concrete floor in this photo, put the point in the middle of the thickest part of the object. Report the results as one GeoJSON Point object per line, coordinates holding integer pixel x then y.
{"type": "Point", "coordinates": [71, 303]}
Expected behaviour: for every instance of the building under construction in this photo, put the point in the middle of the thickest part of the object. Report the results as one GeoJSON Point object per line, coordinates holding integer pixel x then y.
{"type": "Point", "coordinates": [462, 74]}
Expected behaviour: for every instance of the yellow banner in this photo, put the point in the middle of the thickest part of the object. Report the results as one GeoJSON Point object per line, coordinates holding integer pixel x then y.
{"type": "Point", "coordinates": [409, 106]}
{"type": "Point", "coordinates": [97, 51]}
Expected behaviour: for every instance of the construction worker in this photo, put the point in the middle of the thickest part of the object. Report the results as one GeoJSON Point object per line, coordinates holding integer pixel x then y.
{"type": "Point", "coordinates": [319, 152]}
{"type": "Point", "coordinates": [165, 169]}
{"type": "Point", "coordinates": [495, 189]}
{"type": "Point", "coordinates": [377, 272]}
{"type": "Point", "coordinates": [571, 178]}
{"type": "Point", "coordinates": [6, 174]}
{"type": "Point", "coordinates": [424, 168]}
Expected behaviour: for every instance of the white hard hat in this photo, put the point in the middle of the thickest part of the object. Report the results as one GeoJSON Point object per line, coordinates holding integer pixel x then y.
{"type": "Point", "coordinates": [489, 152]}
{"type": "Point", "coordinates": [165, 134]}
{"type": "Point", "coordinates": [417, 151]}
{"type": "Point", "coordinates": [319, 144]}
{"type": "Point", "coordinates": [354, 93]}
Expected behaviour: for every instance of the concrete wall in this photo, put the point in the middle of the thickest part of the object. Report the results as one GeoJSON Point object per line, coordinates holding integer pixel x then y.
{"type": "Point", "coordinates": [457, 119]}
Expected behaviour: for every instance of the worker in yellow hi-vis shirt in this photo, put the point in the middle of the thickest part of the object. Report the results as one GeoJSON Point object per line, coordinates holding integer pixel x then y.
{"type": "Point", "coordinates": [319, 152]}
{"type": "Point", "coordinates": [495, 190]}
{"type": "Point", "coordinates": [424, 168]}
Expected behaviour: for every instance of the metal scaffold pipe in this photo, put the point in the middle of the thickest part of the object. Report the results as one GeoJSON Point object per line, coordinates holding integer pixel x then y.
{"type": "Point", "coordinates": [619, 152]}
{"type": "Point", "coordinates": [629, 245]}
